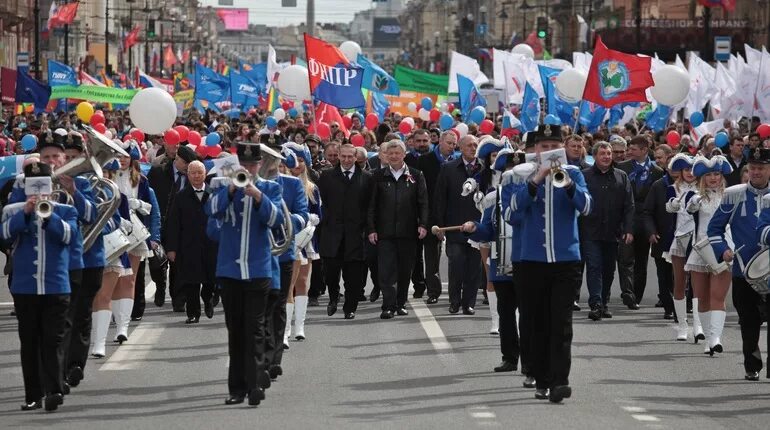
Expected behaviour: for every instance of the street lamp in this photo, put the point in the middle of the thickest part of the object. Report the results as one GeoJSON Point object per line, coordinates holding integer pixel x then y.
{"type": "Point", "coordinates": [503, 17]}
{"type": "Point", "coordinates": [524, 7]}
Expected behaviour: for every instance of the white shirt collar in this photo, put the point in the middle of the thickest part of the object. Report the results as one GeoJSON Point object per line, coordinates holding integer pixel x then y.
{"type": "Point", "coordinates": [352, 170]}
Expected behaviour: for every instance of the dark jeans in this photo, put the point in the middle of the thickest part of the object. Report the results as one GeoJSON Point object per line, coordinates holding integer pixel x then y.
{"type": "Point", "coordinates": [352, 274]}
{"type": "Point", "coordinates": [418, 272]}
{"type": "Point", "coordinates": [547, 304]}
{"type": "Point", "coordinates": [317, 285]}
{"type": "Point", "coordinates": [275, 316]}
{"type": "Point", "coordinates": [193, 294]}
{"type": "Point", "coordinates": [464, 274]}
{"type": "Point", "coordinates": [244, 302]}
{"type": "Point", "coordinates": [747, 302]}
{"type": "Point", "coordinates": [42, 321]}
{"type": "Point", "coordinates": [432, 248]}
{"type": "Point", "coordinates": [507, 304]}
{"type": "Point", "coordinates": [525, 322]}
{"type": "Point", "coordinates": [396, 263]}
{"type": "Point", "coordinates": [599, 257]}
{"type": "Point", "coordinates": [78, 338]}
{"type": "Point", "coordinates": [665, 283]}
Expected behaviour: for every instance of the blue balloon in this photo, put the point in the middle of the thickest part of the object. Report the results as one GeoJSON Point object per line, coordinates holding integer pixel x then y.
{"type": "Point", "coordinates": [446, 122]}
{"type": "Point", "coordinates": [721, 139]}
{"type": "Point", "coordinates": [552, 119]}
{"type": "Point", "coordinates": [271, 122]}
{"type": "Point", "coordinates": [293, 112]}
{"type": "Point", "coordinates": [213, 139]}
{"type": "Point", "coordinates": [28, 142]}
{"type": "Point", "coordinates": [478, 114]}
{"type": "Point", "coordinates": [427, 103]}
{"type": "Point", "coordinates": [696, 119]}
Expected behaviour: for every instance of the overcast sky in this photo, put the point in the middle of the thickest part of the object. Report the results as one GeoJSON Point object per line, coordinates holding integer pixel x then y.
{"type": "Point", "coordinates": [271, 13]}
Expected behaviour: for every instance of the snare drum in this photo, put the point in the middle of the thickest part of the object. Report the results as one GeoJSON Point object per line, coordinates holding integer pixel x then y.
{"type": "Point", "coordinates": [757, 272]}
{"type": "Point", "coordinates": [139, 232]}
{"type": "Point", "coordinates": [303, 238]}
{"type": "Point", "coordinates": [683, 241]}
{"type": "Point", "coordinates": [115, 244]}
{"type": "Point", "coordinates": [706, 252]}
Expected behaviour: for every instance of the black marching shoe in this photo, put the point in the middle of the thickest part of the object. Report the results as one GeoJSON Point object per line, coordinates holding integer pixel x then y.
{"type": "Point", "coordinates": [541, 393]}
{"type": "Point", "coordinates": [31, 406]}
{"type": "Point", "coordinates": [659, 304]}
{"type": "Point", "coordinates": [529, 382]}
{"type": "Point", "coordinates": [208, 309]}
{"type": "Point", "coordinates": [350, 315]}
{"type": "Point", "coordinates": [192, 320]}
{"type": "Point", "coordinates": [668, 315]}
{"type": "Point", "coordinates": [402, 311]}
{"type": "Point", "coordinates": [752, 376]}
{"type": "Point", "coordinates": [160, 297]}
{"type": "Point", "coordinates": [215, 298]}
{"type": "Point", "coordinates": [595, 314]}
{"type": "Point", "coordinates": [362, 297]}
{"type": "Point", "coordinates": [275, 371]}
{"type": "Point", "coordinates": [374, 296]}
{"type": "Point", "coordinates": [313, 301]}
{"type": "Point", "coordinates": [506, 366]}
{"type": "Point", "coordinates": [120, 339]}
{"type": "Point", "coordinates": [52, 401]}
{"type": "Point", "coordinates": [606, 312]}
{"type": "Point", "coordinates": [263, 379]}
{"type": "Point", "coordinates": [469, 311]}
{"type": "Point", "coordinates": [331, 308]}
{"type": "Point", "coordinates": [386, 315]}
{"type": "Point", "coordinates": [65, 388]}
{"type": "Point", "coordinates": [559, 393]}
{"type": "Point", "coordinates": [75, 376]}
{"type": "Point", "coordinates": [575, 306]}
{"type": "Point", "coordinates": [432, 300]}
{"type": "Point", "coordinates": [418, 294]}
{"type": "Point", "coordinates": [256, 396]}
{"type": "Point", "coordinates": [139, 318]}
{"type": "Point", "coordinates": [453, 309]}
{"type": "Point", "coordinates": [234, 399]}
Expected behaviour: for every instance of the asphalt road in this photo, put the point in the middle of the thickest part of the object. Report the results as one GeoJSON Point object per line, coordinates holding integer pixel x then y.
{"type": "Point", "coordinates": [428, 370]}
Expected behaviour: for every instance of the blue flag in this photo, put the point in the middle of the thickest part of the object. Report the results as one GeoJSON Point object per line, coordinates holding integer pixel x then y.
{"type": "Point", "coordinates": [29, 90]}
{"type": "Point", "coordinates": [530, 109]}
{"type": "Point", "coordinates": [244, 92]}
{"type": "Point", "coordinates": [616, 112]}
{"type": "Point", "coordinates": [255, 72]}
{"type": "Point", "coordinates": [469, 95]}
{"type": "Point", "coordinates": [333, 79]}
{"type": "Point", "coordinates": [61, 74]}
{"type": "Point", "coordinates": [556, 106]}
{"type": "Point", "coordinates": [210, 86]}
{"type": "Point", "coordinates": [380, 104]}
{"type": "Point", "coordinates": [377, 80]}
{"type": "Point", "coordinates": [591, 115]}
{"type": "Point", "coordinates": [657, 119]}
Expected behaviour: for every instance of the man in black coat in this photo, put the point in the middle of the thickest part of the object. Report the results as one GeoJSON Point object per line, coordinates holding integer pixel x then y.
{"type": "Point", "coordinates": [430, 165]}
{"type": "Point", "coordinates": [345, 193]}
{"type": "Point", "coordinates": [189, 247]}
{"type": "Point", "coordinates": [452, 209]}
{"type": "Point", "coordinates": [397, 218]}
{"type": "Point", "coordinates": [632, 260]}
{"type": "Point", "coordinates": [421, 141]}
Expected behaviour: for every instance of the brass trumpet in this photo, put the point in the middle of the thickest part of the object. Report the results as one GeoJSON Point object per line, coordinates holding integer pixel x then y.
{"type": "Point", "coordinates": [559, 177]}
{"type": "Point", "coordinates": [241, 178]}
{"type": "Point", "coordinates": [44, 205]}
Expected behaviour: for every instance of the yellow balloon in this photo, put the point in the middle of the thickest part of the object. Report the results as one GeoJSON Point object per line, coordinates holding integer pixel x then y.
{"type": "Point", "coordinates": [84, 111]}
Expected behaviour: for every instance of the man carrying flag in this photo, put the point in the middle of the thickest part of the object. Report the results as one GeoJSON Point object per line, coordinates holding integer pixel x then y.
{"type": "Point", "coordinates": [615, 77]}
{"type": "Point", "coordinates": [333, 79]}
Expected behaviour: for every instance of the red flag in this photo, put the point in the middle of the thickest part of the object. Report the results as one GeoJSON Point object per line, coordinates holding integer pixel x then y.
{"type": "Point", "coordinates": [8, 85]}
{"type": "Point", "coordinates": [169, 58]}
{"type": "Point", "coordinates": [615, 77]}
{"type": "Point", "coordinates": [727, 5]}
{"type": "Point", "coordinates": [186, 56]}
{"type": "Point", "coordinates": [333, 79]}
{"type": "Point", "coordinates": [131, 38]}
{"type": "Point", "coordinates": [329, 114]}
{"type": "Point", "coordinates": [65, 15]}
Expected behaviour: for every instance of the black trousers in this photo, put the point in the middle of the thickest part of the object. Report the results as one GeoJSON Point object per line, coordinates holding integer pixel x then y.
{"type": "Point", "coordinates": [464, 273]}
{"type": "Point", "coordinates": [665, 283]}
{"type": "Point", "coordinates": [193, 293]}
{"type": "Point", "coordinates": [275, 316]}
{"type": "Point", "coordinates": [632, 266]}
{"type": "Point", "coordinates": [42, 321]}
{"type": "Point", "coordinates": [432, 248]}
{"type": "Point", "coordinates": [548, 305]}
{"type": "Point", "coordinates": [372, 264]}
{"type": "Point", "coordinates": [139, 286]}
{"type": "Point", "coordinates": [418, 272]}
{"type": "Point", "coordinates": [747, 302]}
{"type": "Point", "coordinates": [244, 302]}
{"type": "Point", "coordinates": [507, 303]}
{"type": "Point", "coordinates": [77, 339]}
{"type": "Point", "coordinates": [525, 322]}
{"type": "Point", "coordinates": [395, 258]}
{"type": "Point", "coordinates": [626, 261]}
{"type": "Point", "coordinates": [317, 285]}
{"type": "Point", "coordinates": [351, 274]}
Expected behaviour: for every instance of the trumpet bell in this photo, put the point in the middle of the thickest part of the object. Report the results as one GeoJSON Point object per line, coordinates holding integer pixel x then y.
{"type": "Point", "coordinates": [241, 179]}
{"type": "Point", "coordinates": [559, 178]}
{"type": "Point", "coordinates": [43, 209]}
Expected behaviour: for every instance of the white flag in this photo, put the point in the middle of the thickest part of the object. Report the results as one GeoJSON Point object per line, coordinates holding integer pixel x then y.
{"type": "Point", "coordinates": [466, 66]}
{"type": "Point", "coordinates": [753, 56]}
{"type": "Point", "coordinates": [515, 78]}
{"type": "Point", "coordinates": [702, 88]}
{"type": "Point", "coordinates": [582, 30]}
{"type": "Point", "coordinates": [582, 61]}
{"type": "Point", "coordinates": [711, 127]}
{"type": "Point", "coordinates": [273, 68]}
{"type": "Point", "coordinates": [499, 57]}
{"type": "Point", "coordinates": [727, 103]}
{"type": "Point", "coordinates": [762, 92]}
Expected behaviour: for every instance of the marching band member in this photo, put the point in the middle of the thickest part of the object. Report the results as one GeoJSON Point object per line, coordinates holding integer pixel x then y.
{"type": "Point", "coordinates": [740, 209]}
{"type": "Point", "coordinates": [710, 284]}
{"type": "Point", "coordinates": [244, 270]}
{"type": "Point", "coordinates": [550, 261]}
{"type": "Point", "coordinates": [686, 182]}
{"type": "Point", "coordinates": [41, 289]}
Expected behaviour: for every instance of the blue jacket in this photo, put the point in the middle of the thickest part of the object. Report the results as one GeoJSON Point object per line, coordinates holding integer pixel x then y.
{"type": "Point", "coordinates": [296, 201]}
{"type": "Point", "coordinates": [487, 230]}
{"type": "Point", "coordinates": [41, 249]}
{"type": "Point", "coordinates": [244, 247]}
{"type": "Point", "coordinates": [549, 230]}
{"type": "Point", "coordinates": [740, 208]}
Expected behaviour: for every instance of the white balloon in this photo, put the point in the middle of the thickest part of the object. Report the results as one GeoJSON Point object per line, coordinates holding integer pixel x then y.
{"type": "Point", "coordinates": [444, 106]}
{"type": "Point", "coordinates": [570, 84]}
{"type": "Point", "coordinates": [672, 85]}
{"type": "Point", "coordinates": [424, 114]}
{"type": "Point", "coordinates": [412, 107]}
{"type": "Point", "coordinates": [152, 110]}
{"type": "Point", "coordinates": [462, 128]}
{"type": "Point", "coordinates": [523, 49]}
{"type": "Point", "coordinates": [293, 83]}
{"type": "Point", "coordinates": [410, 120]}
{"type": "Point", "coordinates": [279, 114]}
{"type": "Point", "coordinates": [351, 50]}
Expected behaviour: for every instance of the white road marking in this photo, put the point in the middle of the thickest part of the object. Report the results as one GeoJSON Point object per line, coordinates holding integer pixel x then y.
{"type": "Point", "coordinates": [141, 341]}
{"type": "Point", "coordinates": [483, 415]}
{"type": "Point", "coordinates": [634, 409]}
{"type": "Point", "coordinates": [431, 327]}
{"type": "Point", "coordinates": [645, 418]}
{"type": "Point", "coordinates": [639, 414]}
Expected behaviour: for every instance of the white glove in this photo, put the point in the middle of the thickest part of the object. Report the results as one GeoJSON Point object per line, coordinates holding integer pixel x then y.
{"type": "Point", "coordinates": [126, 226]}
{"type": "Point", "coordinates": [694, 204]}
{"type": "Point", "coordinates": [674, 205]}
{"type": "Point", "coordinates": [142, 208]}
{"type": "Point", "coordinates": [313, 219]}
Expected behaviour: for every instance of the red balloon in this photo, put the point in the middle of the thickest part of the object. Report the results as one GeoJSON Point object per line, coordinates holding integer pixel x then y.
{"type": "Point", "coordinates": [456, 132]}
{"type": "Point", "coordinates": [348, 121]}
{"type": "Point", "coordinates": [137, 134]}
{"type": "Point", "coordinates": [357, 140]}
{"type": "Point", "coordinates": [202, 150]}
{"type": "Point", "coordinates": [252, 112]}
{"type": "Point", "coordinates": [183, 131]}
{"type": "Point", "coordinates": [372, 121]}
{"type": "Point", "coordinates": [100, 127]}
{"type": "Point", "coordinates": [486, 126]}
{"type": "Point", "coordinates": [673, 138]}
{"type": "Point", "coordinates": [287, 105]}
{"type": "Point", "coordinates": [234, 149]}
{"type": "Point", "coordinates": [97, 118]}
{"type": "Point", "coordinates": [435, 115]}
{"type": "Point", "coordinates": [214, 151]}
{"type": "Point", "coordinates": [324, 131]}
{"type": "Point", "coordinates": [763, 131]}
{"type": "Point", "coordinates": [194, 138]}
{"type": "Point", "coordinates": [404, 127]}
{"type": "Point", "coordinates": [171, 137]}
{"type": "Point", "coordinates": [450, 107]}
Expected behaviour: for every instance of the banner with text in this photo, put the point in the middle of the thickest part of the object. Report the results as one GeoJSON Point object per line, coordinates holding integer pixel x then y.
{"type": "Point", "coordinates": [93, 93]}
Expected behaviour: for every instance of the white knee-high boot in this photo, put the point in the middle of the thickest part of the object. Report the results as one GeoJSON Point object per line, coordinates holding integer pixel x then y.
{"type": "Point", "coordinates": [680, 306]}
{"type": "Point", "coordinates": [697, 328]}
{"type": "Point", "coordinates": [300, 311]}
{"type": "Point", "coordinates": [122, 310]}
{"type": "Point", "coordinates": [100, 324]}
{"type": "Point", "coordinates": [495, 327]}
{"type": "Point", "coordinates": [717, 325]}
{"type": "Point", "coordinates": [705, 319]}
{"type": "Point", "coordinates": [289, 316]}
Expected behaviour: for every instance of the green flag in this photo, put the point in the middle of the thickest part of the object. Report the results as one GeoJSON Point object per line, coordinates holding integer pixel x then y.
{"type": "Point", "coordinates": [93, 93]}
{"type": "Point", "coordinates": [421, 82]}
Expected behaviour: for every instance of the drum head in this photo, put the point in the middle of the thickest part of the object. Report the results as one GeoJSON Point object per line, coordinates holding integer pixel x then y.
{"type": "Point", "coordinates": [759, 266]}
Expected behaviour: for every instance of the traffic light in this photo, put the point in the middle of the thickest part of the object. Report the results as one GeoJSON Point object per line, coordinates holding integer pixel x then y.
{"type": "Point", "coordinates": [542, 27]}
{"type": "Point", "coordinates": [151, 29]}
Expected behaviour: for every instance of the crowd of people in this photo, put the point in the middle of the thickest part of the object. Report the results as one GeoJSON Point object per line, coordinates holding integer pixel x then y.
{"type": "Point", "coordinates": [273, 218]}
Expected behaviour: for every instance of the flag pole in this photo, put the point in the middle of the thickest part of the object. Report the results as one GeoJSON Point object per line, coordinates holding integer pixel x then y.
{"type": "Point", "coordinates": [312, 99]}
{"type": "Point", "coordinates": [577, 117]}
{"type": "Point", "coordinates": [756, 89]}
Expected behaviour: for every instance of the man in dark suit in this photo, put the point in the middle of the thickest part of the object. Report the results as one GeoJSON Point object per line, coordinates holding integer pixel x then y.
{"type": "Point", "coordinates": [632, 258]}
{"type": "Point", "coordinates": [421, 141]}
{"type": "Point", "coordinates": [344, 192]}
{"type": "Point", "coordinates": [452, 209]}
{"type": "Point", "coordinates": [430, 166]}
{"type": "Point", "coordinates": [189, 247]}
{"type": "Point", "coordinates": [736, 159]}
{"type": "Point", "coordinates": [166, 180]}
